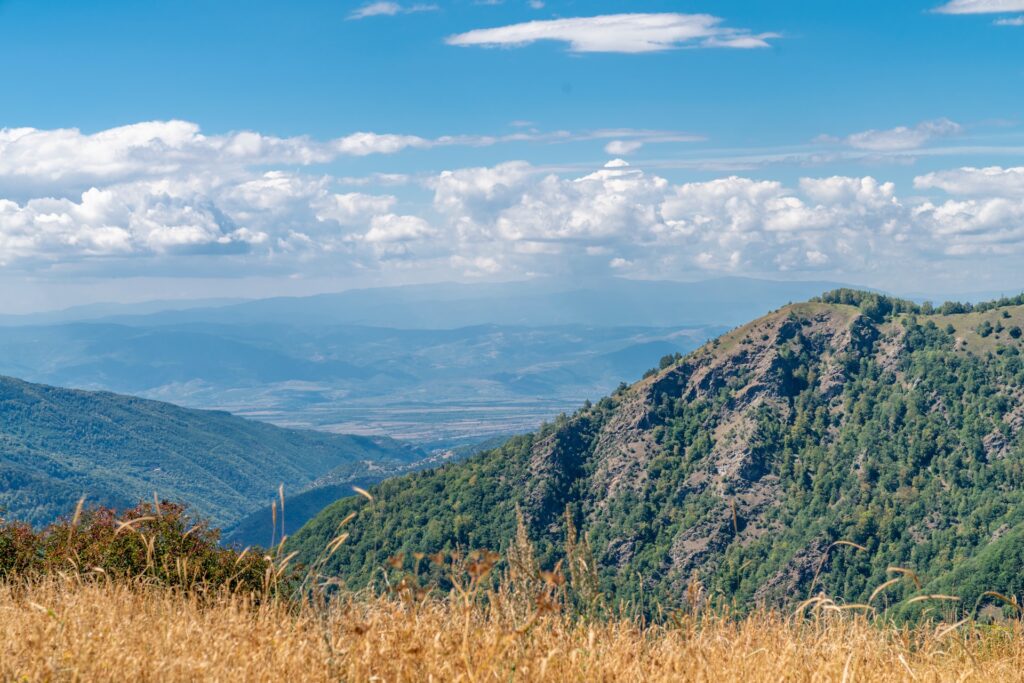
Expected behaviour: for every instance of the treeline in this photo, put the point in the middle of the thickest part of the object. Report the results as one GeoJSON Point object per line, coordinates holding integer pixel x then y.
{"type": "Point", "coordinates": [880, 306]}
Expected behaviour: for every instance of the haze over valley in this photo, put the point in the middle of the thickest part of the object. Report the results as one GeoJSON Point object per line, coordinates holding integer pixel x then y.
{"type": "Point", "coordinates": [438, 366]}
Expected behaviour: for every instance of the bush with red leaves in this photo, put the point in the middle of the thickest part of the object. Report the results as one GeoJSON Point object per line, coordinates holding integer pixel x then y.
{"type": "Point", "coordinates": [160, 544]}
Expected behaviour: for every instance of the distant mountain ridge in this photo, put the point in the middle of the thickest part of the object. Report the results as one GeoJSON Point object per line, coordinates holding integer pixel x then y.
{"type": "Point", "coordinates": [440, 364]}
{"type": "Point", "coordinates": [534, 303]}
{"type": "Point", "coordinates": [99, 311]}
{"type": "Point", "coordinates": [444, 385]}
{"type": "Point", "coordinates": [58, 444]}
{"type": "Point", "coordinates": [893, 428]}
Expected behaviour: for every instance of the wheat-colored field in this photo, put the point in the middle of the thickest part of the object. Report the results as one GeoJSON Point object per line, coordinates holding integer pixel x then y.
{"type": "Point", "coordinates": [57, 630]}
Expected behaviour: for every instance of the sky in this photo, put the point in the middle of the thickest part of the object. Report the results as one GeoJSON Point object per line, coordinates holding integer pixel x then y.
{"type": "Point", "coordinates": [212, 148]}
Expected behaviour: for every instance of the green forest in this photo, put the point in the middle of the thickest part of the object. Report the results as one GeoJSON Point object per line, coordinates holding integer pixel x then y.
{"type": "Point", "coordinates": [60, 444]}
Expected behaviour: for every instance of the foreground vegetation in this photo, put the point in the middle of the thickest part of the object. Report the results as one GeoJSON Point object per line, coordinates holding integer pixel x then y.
{"type": "Point", "coordinates": [103, 630]}
{"type": "Point", "coordinates": [148, 595]}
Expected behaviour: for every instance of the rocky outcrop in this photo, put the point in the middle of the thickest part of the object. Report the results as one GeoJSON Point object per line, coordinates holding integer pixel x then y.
{"type": "Point", "coordinates": [757, 365]}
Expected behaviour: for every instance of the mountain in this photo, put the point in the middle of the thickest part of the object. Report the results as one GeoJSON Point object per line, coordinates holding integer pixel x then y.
{"type": "Point", "coordinates": [543, 302]}
{"type": "Point", "coordinates": [854, 418]}
{"type": "Point", "coordinates": [105, 310]}
{"type": "Point", "coordinates": [58, 444]}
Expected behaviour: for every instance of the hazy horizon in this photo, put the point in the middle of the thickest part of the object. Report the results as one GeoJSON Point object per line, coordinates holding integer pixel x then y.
{"type": "Point", "coordinates": [127, 297]}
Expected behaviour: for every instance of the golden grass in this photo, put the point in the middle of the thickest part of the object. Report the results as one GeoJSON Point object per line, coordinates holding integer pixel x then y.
{"type": "Point", "coordinates": [56, 630]}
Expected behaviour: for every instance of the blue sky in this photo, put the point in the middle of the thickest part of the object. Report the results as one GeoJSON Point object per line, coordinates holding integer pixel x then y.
{"type": "Point", "coordinates": [778, 139]}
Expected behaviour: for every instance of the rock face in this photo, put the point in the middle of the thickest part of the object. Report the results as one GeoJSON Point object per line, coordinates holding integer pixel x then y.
{"type": "Point", "coordinates": [745, 462]}
{"type": "Point", "coordinates": [755, 365]}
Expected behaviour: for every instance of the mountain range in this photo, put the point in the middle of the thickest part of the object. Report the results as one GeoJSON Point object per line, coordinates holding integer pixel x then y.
{"type": "Point", "coordinates": [439, 365]}
{"type": "Point", "coordinates": [542, 302]}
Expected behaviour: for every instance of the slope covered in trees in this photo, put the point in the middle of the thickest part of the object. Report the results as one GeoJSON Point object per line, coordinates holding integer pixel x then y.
{"type": "Point", "coordinates": [855, 418]}
{"type": "Point", "coordinates": [58, 444]}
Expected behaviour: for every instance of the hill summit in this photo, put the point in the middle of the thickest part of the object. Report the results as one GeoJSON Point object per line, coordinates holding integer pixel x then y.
{"type": "Point", "coordinates": [811, 449]}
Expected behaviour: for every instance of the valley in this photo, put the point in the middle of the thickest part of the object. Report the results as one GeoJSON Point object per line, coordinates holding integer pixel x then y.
{"type": "Point", "coordinates": [438, 365]}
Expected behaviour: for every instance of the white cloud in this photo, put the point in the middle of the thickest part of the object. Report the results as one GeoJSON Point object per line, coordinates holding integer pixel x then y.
{"type": "Point", "coordinates": [478, 266]}
{"type": "Point", "coordinates": [1015, 21]}
{"type": "Point", "coordinates": [388, 9]}
{"type": "Point", "coordinates": [622, 147]}
{"type": "Point", "coordinates": [993, 180]}
{"type": "Point", "coordinates": [901, 137]}
{"type": "Point", "coordinates": [140, 218]}
{"type": "Point", "coordinates": [393, 228]}
{"type": "Point", "coordinates": [629, 33]}
{"type": "Point", "coordinates": [625, 219]}
{"type": "Point", "coordinates": [162, 148]}
{"type": "Point", "coordinates": [981, 6]}
{"type": "Point", "coordinates": [380, 179]}
{"type": "Point", "coordinates": [67, 161]}
{"type": "Point", "coordinates": [353, 208]}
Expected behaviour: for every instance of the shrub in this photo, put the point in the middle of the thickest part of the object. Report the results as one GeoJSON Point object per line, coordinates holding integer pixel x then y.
{"type": "Point", "coordinates": [19, 549]}
{"type": "Point", "coordinates": [157, 543]}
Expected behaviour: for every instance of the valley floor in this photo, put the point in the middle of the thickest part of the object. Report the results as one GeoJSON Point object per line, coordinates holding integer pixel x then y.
{"type": "Point", "coordinates": [60, 630]}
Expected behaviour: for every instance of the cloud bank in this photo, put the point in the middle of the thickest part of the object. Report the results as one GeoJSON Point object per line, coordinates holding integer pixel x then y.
{"type": "Point", "coordinates": [67, 160]}
{"type": "Point", "coordinates": [166, 193]}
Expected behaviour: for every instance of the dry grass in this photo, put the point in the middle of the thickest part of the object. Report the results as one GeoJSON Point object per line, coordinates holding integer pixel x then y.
{"type": "Point", "coordinates": [966, 326]}
{"type": "Point", "coordinates": [63, 630]}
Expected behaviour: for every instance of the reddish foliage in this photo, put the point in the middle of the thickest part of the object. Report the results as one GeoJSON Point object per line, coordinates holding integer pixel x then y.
{"type": "Point", "coordinates": [156, 543]}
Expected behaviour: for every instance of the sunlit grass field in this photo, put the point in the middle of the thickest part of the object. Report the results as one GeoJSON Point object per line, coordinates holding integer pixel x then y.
{"type": "Point", "coordinates": [64, 629]}
{"type": "Point", "coordinates": [147, 596]}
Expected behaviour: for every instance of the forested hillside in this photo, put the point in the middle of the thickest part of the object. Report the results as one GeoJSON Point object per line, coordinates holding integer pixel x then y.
{"type": "Point", "coordinates": [890, 427]}
{"type": "Point", "coordinates": [57, 445]}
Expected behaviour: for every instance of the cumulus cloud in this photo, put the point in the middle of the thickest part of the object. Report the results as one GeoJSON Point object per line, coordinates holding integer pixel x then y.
{"type": "Point", "coordinates": [121, 221]}
{"type": "Point", "coordinates": [723, 225]}
{"type": "Point", "coordinates": [392, 228]}
{"type": "Point", "coordinates": [623, 147]}
{"type": "Point", "coordinates": [981, 6]}
{"type": "Point", "coordinates": [625, 219]}
{"type": "Point", "coordinates": [900, 138]}
{"type": "Point", "coordinates": [67, 161]}
{"type": "Point", "coordinates": [211, 199]}
{"type": "Point", "coordinates": [628, 33]}
{"type": "Point", "coordinates": [66, 157]}
{"type": "Point", "coordinates": [388, 9]}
